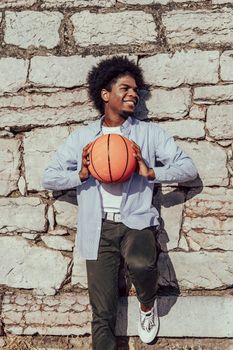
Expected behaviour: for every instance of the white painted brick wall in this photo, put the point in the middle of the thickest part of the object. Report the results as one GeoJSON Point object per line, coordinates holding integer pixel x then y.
{"type": "Point", "coordinates": [47, 49]}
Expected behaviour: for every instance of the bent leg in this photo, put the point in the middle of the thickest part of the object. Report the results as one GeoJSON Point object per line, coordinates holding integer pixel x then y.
{"type": "Point", "coordinates": [140, 251]}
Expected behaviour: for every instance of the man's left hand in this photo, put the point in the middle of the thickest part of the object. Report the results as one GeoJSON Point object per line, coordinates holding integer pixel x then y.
{"type": "Point", "coordinates": [143, 169]}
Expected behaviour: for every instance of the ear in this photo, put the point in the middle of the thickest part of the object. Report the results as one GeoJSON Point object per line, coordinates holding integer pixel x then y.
{"type": "Point", "coordinates": [105, 95]}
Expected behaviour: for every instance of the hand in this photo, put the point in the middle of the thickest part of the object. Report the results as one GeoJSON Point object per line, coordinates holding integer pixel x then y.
{"type": "Point", "coordinates": [143, 169]}
{"type": "Point", "coordinates": [84, 172]}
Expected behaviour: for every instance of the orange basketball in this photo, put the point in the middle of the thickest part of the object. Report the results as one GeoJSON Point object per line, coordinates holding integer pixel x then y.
{"type": "Point", "coordinates": [111, 158]}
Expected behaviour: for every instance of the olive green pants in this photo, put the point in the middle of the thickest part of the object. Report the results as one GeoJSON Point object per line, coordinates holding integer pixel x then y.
{"type": "Point", "coordinates": [139, 249]}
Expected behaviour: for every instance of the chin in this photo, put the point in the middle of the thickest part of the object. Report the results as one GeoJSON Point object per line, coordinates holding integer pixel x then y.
{"type": "Point", "coordinates": [126, 114]}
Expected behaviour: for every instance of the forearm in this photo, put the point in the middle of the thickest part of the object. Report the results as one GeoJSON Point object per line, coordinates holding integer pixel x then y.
{"type": "Point", "coordinates": [56, 179]}
{"type": "Point", "coordinates": [181, 171]}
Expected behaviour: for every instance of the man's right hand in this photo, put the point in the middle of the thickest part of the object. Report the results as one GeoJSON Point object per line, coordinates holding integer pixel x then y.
{"type": "Point", "coordinates": [84, 172]}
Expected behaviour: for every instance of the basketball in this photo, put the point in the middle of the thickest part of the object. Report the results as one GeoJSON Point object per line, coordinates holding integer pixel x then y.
{"type": "Point", "coordinates": [111, 158]}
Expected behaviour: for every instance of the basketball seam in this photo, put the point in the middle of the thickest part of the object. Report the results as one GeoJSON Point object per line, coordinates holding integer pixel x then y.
{"type": "Point", "coordinates": [92, 162]}
{"type": "Point", "coordinates": [109, 164]}
{"type": "Point", "coordinates": [127, 152]}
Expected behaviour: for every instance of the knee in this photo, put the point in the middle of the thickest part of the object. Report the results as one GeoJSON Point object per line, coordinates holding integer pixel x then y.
{"type": "Point", "coordinates": [141, 264]}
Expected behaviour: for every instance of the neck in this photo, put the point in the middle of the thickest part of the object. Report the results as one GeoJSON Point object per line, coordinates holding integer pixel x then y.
{"type": "Point", "coordinates": [113, 121]}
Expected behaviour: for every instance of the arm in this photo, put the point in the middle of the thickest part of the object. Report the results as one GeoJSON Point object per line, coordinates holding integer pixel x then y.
{"type": "Point", "coordinates": [62, 173]}
{"type": "Point", "coordinates": [177, 165]}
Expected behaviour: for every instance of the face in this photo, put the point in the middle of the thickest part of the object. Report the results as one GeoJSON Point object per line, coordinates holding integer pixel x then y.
{"type": "Point", "coordinates": [123, 97]}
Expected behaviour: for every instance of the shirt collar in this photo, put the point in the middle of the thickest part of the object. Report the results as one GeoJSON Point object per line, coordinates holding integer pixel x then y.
{"type": "Point", "coordinates": [125, 127]}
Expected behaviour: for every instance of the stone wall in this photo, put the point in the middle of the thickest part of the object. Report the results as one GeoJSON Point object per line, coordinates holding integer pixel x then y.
{"type": "Point", "coordinates": [46, 49]}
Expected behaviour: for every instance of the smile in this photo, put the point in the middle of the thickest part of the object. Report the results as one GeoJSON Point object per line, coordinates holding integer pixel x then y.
{"type": "Point", "coordinates": [130, 102]}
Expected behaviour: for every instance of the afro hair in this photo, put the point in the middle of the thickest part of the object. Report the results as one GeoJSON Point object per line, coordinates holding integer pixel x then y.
{"type": "Point", "coordinates": [106, 73]}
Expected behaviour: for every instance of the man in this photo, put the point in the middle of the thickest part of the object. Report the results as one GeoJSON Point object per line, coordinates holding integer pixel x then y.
{"type": "Point", "coordinates": [118, 220]}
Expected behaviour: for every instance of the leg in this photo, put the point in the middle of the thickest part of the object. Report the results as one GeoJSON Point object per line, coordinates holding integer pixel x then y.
{"type": "Point", "coordinates": [140, 251]}
{"type": "Point", "coordinates": [103, 288]}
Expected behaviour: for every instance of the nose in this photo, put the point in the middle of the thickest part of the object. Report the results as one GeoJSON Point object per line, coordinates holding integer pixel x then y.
{"type": "Point", "coordinates": [134, 94]}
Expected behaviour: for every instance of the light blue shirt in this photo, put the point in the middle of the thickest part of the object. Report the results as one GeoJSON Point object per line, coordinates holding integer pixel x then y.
{"type": "Point", "coordinates": [136, 205]}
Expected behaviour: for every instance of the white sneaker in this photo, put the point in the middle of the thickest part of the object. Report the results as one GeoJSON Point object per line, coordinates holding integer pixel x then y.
{"type": "Point", "coordinates": [148, 324]}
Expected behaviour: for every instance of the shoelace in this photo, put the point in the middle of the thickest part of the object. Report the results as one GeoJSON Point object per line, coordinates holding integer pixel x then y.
{"type": "Point", "coordinates": [147, 321]}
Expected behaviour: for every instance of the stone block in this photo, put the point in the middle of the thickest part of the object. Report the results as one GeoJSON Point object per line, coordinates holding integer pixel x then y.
{"type": "Point", "coordinates": [22, 185]}
{"type": "Point", "coordinates": [219, 122]}
{"type": "Point", "coordinates": [197, 112]}
{"type": "Point", "coordinates": [211, 94]}
{"type": "Point", "coordinates": [79, 271]}
{"type": "Point", "coordinates": [11, 80]}
{"type": "Point", "coordinates": [2, 341]}
{"type": "Point", "coordinates": [58, 242]}
{"type": "Point", "coordinates": [199, 316]}
{"type": "Point", "coordinates": [77, 3]}
{"type": "Point", "coordinates": [144, 2]}
{"type": "Point", "coordinates": [196, 270]}
{"type": "Point", "coordinates": [169, 203]}
{"type": "Point", "coordinates": [118, 28]}
{"type": "Point", "coordinates": [5, 133]}
{"type": "Point", "coordinates": [208, 241]}
{"type": "Point", "coordinates": [61, 314]}
{"type": "Point", "coordinates": [51, 218]}
{"type": "Point", "coordinates": [182, 129]}
{"type": "Point", "coordinates": [190, 316]}
{"type": "Point", "coordinates": [32, 29]}
{"type": "Point", "coordinates": [31, 236]}
{"type": "Point", "coordinates": [16, 3]}
{"type": "Point", "coordinates": [22, 214]}
{"type": "Point", "coordinates": [208, 219]}
{"type": "Point", "coordinates": [25, 266]}
{"type": "Point", "coordinates": [60, 71]}
{"type": "Point", "coordinates": [210, 160]}
{"type": "Point", "coordinates": [182, 67]}
{"type": "Point", "coordinates": [59, 232]}
{"type": "Point", "coordinates": [39, 147]}
{"type": "Point", "coordinates": [209, 225]}
{"type": "Point", "coordinates": [46, 116]}
{"type": "Point", "coordinates": [226, 60]}
{"type": "Point", "coordinates": [172, 104]}
{"type": "Point", "coordinates": [216, 2]}
{"type": "Point", "coordinates": [9, 165]}
{"type": "Point", "coordinates": [199, 26]}
{"type": "Point", "coordinates": [209, 202]}
{"type": "Point", "coordinates": [66, 210]}
{"type": "Point", "coordinates": [51, 99]}
{"type": "Point", "coordinates": [152, 2]}
{"type": "Point", "coordinates": [183, 244]}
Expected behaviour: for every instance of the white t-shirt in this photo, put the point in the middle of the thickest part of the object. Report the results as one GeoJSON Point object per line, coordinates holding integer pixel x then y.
{"type": "Point", "coordinates": [111, 194]}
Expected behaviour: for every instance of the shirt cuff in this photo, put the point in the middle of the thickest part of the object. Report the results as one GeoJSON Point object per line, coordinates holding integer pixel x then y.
{"type": "Point", "coordinates": [74, 179]}
{"type": "Point", "coordinates": [161, 175]}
